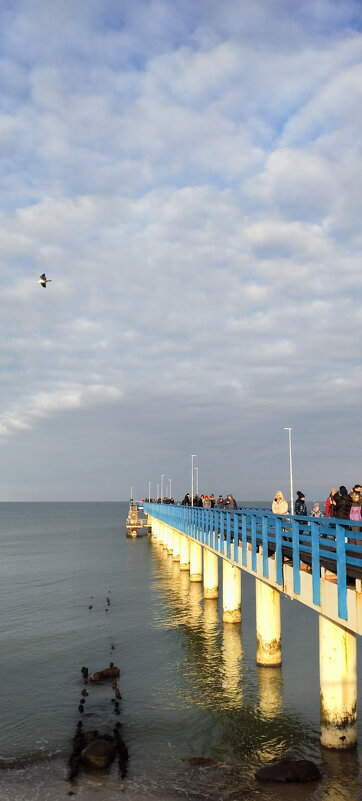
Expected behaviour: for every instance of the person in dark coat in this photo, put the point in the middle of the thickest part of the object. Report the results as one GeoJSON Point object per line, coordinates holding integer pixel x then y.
{"type": "Point", "coordinates": [230, 503]}
{"type": "Point", "coordinates": [343, 504]}
{"type": "Point", "coordinates": [299, 506]}
{"type": "Point", "coordinates": [220, 502]}
{"type": "Point", "coordinates": [187, 500]}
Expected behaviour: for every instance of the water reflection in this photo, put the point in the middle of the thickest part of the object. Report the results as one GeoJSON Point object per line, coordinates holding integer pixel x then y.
{"type": "Point", "coordinates": [342, 770]}
{"type": "Point", "coordinates": [232, 653]}
{"type": "Point", "coordinates": [270, 685]}
{"type": "Point", "coordinates": [235, 710]}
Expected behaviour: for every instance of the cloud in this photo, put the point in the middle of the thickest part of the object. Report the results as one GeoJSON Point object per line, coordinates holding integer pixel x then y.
{"type": "Point", "coordinates": [189, 178]}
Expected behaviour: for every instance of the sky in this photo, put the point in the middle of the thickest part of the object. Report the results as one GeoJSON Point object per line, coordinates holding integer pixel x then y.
{"type": "Point", "coordinates": [188, 175]}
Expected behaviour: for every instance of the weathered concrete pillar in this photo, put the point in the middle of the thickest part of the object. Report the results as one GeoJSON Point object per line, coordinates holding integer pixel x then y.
{"type": "Point", "coordinates": [211, 575]}
{"type": "Point", "coordinates": [268, 631]}
{"type": "Point", "coordinates": [195, 561]}
{"type": "Point", "coordinates": [184, 552]}
{"type": "Point", "coordinates": [231, 593]}
{"type": "Point", "coordinates": [338, 684]}
{"type": "Point", "coordinates": [176, 545]}
{"type": "Point", "coordinates": [169, 540]}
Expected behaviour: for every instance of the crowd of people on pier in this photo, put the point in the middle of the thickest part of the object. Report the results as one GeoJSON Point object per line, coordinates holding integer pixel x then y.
{"type": "Point", "coordinates": [340, 503]}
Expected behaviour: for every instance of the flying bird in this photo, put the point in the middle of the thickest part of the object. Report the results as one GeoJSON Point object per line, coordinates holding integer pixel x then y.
{"type": "Point", "coordinates": [44, 280]}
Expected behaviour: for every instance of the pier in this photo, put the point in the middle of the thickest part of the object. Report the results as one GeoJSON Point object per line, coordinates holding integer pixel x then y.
{"type": "Point", "coordinates": [315, 561]}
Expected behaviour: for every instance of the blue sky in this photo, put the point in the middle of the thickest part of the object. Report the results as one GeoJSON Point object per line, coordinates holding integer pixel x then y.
{"type": "Point", "coordinates": [188, 175]}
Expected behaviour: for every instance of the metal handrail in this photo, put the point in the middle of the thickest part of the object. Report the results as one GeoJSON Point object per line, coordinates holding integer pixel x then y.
{"type": "Point", "coordinates": [318, 541]}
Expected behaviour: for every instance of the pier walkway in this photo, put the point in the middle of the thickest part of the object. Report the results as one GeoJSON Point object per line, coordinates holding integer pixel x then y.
{"type": "Point", "coordinates": [316, 561]}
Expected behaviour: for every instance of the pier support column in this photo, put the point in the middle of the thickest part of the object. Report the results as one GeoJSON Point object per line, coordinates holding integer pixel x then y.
{"type": "Point", "coordinates": [211, 574]}
{"type": "Point", "coordinates": [184, 552]}
{"type": "Point", "coordinates": [231, 593]}
{"type": "Point", "coordinates": [169, 540]}
{"type": "Point", "coordinates": [268, 631]}
{"type": "Point", "coordinates": [195, 561]}
{"type": "Point", "coordinates": [338, 683]}
{"type": "Point", "coordinates": [176, 545]}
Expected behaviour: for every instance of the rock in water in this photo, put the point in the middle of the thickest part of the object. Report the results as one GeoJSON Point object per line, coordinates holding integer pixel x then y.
{"type": "Point", "coordinates": [289, 770]}
{"type": "Point", "coordinates": [98, 754]}
{"type": "Point", "coordinates": [107, 673]}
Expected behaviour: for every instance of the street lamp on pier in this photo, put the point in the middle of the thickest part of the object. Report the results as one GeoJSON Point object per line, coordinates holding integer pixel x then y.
{"type": "Point", "coordinates": [169, 481]}
{"type": "Point", "coordinates": [192, 477]}
{"type": "Point", "coordinates": [197, 480]}
{"type": "Point", "coordinates": [290, 468]}
{"type": "Point", "coordinates": [162, 477]}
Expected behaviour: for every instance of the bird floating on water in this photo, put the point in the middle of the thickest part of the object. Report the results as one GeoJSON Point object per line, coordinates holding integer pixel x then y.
{"type": "Point", "coordinates": [44, 280]}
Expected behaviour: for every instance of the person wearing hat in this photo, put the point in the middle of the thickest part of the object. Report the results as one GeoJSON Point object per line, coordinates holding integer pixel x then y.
{"type": "Point", "coordinates": [299, 506]}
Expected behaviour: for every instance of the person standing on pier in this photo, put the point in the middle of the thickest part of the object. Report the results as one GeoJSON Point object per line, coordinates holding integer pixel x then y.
{"type": "Point", "coordinates": [230, 503]}
{"type": "Point", "coordinates": [343, 503]}
{"type": "Point", "coordinates": [300, 505]}
{"type": "Point", "coordinates": [279, 505]}
{"type": "Point", "coordinates": [331, 503]}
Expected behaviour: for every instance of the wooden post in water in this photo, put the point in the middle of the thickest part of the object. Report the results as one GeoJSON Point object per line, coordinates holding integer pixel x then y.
{"type": "Point", "coordinates": [268, 629]}
{"type": "Point", "coordinates": [231, 594]}
{"type": "Point", "coordinates": [195, 561]}
{"type": "Point", "coordinates": [338, 685]}
{"type": "Point", "coordinates": [211, 575]}
{"type": "Point", "coordinates": [184, 553]}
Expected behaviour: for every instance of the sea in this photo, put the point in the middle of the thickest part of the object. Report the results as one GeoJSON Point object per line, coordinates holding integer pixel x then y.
{"type": "Point", "coordinates": [197, 714]}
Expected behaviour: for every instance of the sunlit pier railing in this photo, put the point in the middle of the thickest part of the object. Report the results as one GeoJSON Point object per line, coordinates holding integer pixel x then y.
{"type": "Point", "coordinates": [317, 561]}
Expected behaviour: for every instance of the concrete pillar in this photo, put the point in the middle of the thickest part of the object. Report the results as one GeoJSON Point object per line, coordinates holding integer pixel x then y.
{"type": "Point", "coordinates": [231, 593]}
{"type": "Point", "coordinates": [195, 561]}
{"type": "Point", "coordinates": [211, 574]}
{"type": "Point", "coordinates": [169, 540]}
{"type": "Point", "coordinates": [338, 684]}
{"type": "Point", "coordinates": [176, 545]}
{"type": "Point", "coordinates": [184, 552]}
{"type": "Point", "coordinates": [268, 631]}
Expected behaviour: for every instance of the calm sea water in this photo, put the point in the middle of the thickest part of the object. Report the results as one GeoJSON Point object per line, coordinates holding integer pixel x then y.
{"type": "Point", "coordinates": [190, 684]}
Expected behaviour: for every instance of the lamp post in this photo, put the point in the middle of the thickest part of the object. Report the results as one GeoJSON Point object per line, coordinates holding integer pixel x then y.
{"type": "Point", "coordinates": [158, 493]}
{"type": "Point", "coordinates": [149, 491]}
{"type": "Point", "coordinates": [162, 477]}
{"type": "Point", "coordinates": [192, 477]}
{"type": "Point", "coordinates": [169, 481]}
{"type": "Point", "coordinates": [290, 468]}
{"type": "Point", "coordinates": [197, 480]}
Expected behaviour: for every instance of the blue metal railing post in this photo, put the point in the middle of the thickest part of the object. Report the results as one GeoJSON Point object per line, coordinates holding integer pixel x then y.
{"type": "Point", "coordinates": [228, 536]}
{"type": "Point", "coordinates": [264, 529]}
{"type": "Point", "coordinates": [244, 544]}
{"type": "Point", "coordinates": [236, 537]}
{"type": "Point", "coordinates": [222, 530]}
{"type": "Point", "coordinates": [296, 558]}
{"type": "Point", "coordinates": [279, 551]}
{"type": "Point", "coordinates": [341, 571]}
{"type": "Point", "coordinates": [253, 543]}
{"type": "Point", "coordinates": [316, 581]}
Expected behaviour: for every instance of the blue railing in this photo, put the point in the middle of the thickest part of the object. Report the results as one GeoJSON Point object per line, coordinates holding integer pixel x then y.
{"type": "Point", "coordinates": [319, 542]}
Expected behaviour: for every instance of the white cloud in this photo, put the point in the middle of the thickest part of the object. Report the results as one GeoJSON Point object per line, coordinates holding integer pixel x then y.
{"type": "Point", "coordinates": [190, 181]}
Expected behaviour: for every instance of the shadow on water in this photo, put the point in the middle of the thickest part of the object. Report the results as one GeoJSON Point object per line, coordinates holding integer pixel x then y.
{"type": "Point", "coordinates": [242, 721]}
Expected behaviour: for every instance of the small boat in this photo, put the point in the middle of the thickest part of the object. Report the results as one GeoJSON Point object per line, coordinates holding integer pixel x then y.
{"type": "Point", "coordinates": [134, 524]}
